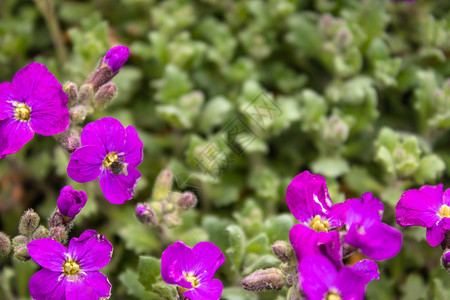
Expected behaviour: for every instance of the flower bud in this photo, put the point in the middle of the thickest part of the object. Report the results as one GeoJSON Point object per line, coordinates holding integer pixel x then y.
{"type": "Point", "coordinates": [163, 185]}
{"type": "Point", "coordinates": [445, 260]}
{"type": "Point", "coordinates": [145, 214]}
{"type": "Point", "coordinates": [284, 252]}
{"type": "Point", "coordinates": [78, 113]}
{"type": "Point", "coordinates": [86, 93]}
{"type": "Point", "coordinates": [56, 219]}
{"type": "Point", "coordinates": [171, 220]}
{"type": "Point", "coordinates": [28, 222]}
{"type": "Point", "coordinates": [71, 89]}
{"type": "Point", "coordinates": [186, 201]}
{"type": "Point", "coordinates": [105, 94]}
{"type": "Point", "coordinates": [264, 280]}
{"type": "Point", "coordinates": [21, 253]}
{"type": "Point", "coordinates": [59, 234]}
{"type": "Point", "coordinates": [5, 244]}
{"type": "Point", "coordinates": [70, 139]}
{"type": "Point", "coordinates": [40, 233]}
{"type": "Point", "coordinates": [100, 76]}
{"type": "Point", "coordinates": [116, 57]}
{"type": "Point", "coordinates": [20, 240]}
{"type": "Point", "coordinates": [70, 201]}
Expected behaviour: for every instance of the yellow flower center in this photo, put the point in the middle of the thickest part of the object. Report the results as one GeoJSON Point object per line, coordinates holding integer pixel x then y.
{"type": "Point", "coordinates": [319, 225]}
{"type": "Point", "coordinates": [192, 279]}
{"type": "Point", "coordinates": [110, 158]}
{"type": "Point", "coordinates": [70, 267]}
{"type": "Point", "coordinates": [333, 296]}
{"type": "Point", "coordinates": [444, 212]}
{"type": "Point", "coordinates": [22, 112]}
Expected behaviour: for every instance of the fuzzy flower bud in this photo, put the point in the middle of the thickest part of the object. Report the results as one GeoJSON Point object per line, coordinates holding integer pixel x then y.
{"type": "Point", "coordinates": [86, 93]}
{"type": "Point", "coordinates": [40, 233]}
{"type": "Point", "coordinates": [105, 94]}
{"type": "Point", "coordinates": [20, 240]}
{"type": "Point", "coordinates": [171, 220]}
{"type": "Point", "coordinates": [445, 260]}
{"type": "Point", "coordinates": [70, 139]}
{"type": "Point", "coordinates": [145, 214]}
{"type": "Point", "coordinates": [28, 222]}
{"type": "Point", "coordinates": [163, 185]}
{"type": "Point", "coordinates": [70, 201]}
{"type": "Point", "coordinates": [78, 113]}
{"type": "Point", "coordinates": [56, 219]}
{"type": "Point", "coordinates": [59, 234]}
{"type": "Point", "coordinates": [5, 244]}
{"type": "Point", "coordinates": [186, 201]}
{"type": "Point", "coordinates": [71, 89]}
{"type": "Point", "coordinates": [116, 57]}
{"type": "Point", "coordinates": [264, 280]}
{"type": "Point", "coordinates": [284, 252]}
{"type": "Point", "coordinates": [21, 253]}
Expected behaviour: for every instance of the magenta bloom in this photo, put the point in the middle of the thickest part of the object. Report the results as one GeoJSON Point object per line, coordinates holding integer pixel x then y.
{"type": "Point", "coordinates": [116, 57]}
{"type": "Point", "coordinates": [366, 232]}
{"type": "Point", "coordinates": [71, 273]}
{"type": "Point", "coordinates": [33, 102]}
{"type": "Point", "coordinates": [428, 207]}
{"type": "Point", "coordinates": [109, 152]}
{"type": "Point", "coordinates": [192, 270]}
{"type": "Point", "coordinates": [320, 279]}
{"type": "Point", "coordinates": [70, 201]}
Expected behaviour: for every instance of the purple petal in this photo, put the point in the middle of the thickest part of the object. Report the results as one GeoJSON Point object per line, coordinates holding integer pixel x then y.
{"type": "Point", "coordinates": [133, 149]}
{"type": "Point", "coordinates": [211, 290]}
{"type": "Point", "coordinates": [436, 234]}
{"type": "Point", "coordinates": [307, 196]}
{"type": "Point", "coordinates": [89, 286]}
{"type": "Point", "coordinates": [446, 198]}
{"type": "Point", "coordinates": [49, 112]}
{"type": "Point", "coordinates": [85, 163]}
{"type": "Point", "coordinates": [6, 96]}
{"type": "Point", "coordinates": [366, 269]}
{"type": "Point", "coordinates": [91, 250]}
{"type": "Point", "coordinates": [70, 201]}
{"type": "Point", "coordinates": [350, 284]}
{"type": "Point", "coordinates": [107, 133]}
{"type": "Point", "coordinates": [316, 276]}
{"type": "Point", "coordinates": [116, 57]}
{"type": "Point", "coordinates": [364, 212]}
{"type": "Point", "coordinates": [119, 188]}
{"type": "Point", "coordinates": [178, 254]}
{"type": "Point", "coordinates": [46, 284]}
{"type": "Point", "coordinates": [48, 254]}
{"type": "Point", "coordinates": [30, 78]}
{"type": "Point", "coordinates": [208, 258]}
{"type": "Point", "coordinates": [378, 242]}
{"type": "Point", "coordinates": [420, 207]}
{"type": "Point", "coordinates": [337, 214]}
{"type": "Point", "coordinates": [14, 134]}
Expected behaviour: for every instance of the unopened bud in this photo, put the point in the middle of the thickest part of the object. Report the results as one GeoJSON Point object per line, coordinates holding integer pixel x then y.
{"type": "Point", "coordinates": [56, 219]}
{"type": "Point", "coordinates": [5, 244]}
{"type": "Point", "coordinates": [78, 113]}
{"type": "Point", "coordinates": [116, 57]}
{"type": "Point", "coordinates": [29, 222]}
{"type": "Point", "coordinates": [21, 253]}
{"type": "Point", "coordinates": [20, 240]}
{"type": "Point", "coordinates": [294, 293]}
{"type": "Point", "coordinates": [70, 139]}
{"type": "Point", "coordinates": [163, 185]}
{"type": "Point", "coordinates": [445, 260]}
{"type": "Point", "coordinates": [58, 234]}
{"type": "Point", "coordinates": [284, 252]}
{"type": "Point", "coordinates": [145, 214]}
{"type": "Point", "coordinates": [40, 233]}
{"type": "Point", "coordinates": [71, 89]}
{"type": "Point", "coordinates": [264, 280]}
{"type": "Point", "coordinates": [70, 201]}
{"type": "Point", "coordinates": [100, 76]}
{"type": "Point", "coordinates": [186, 201]}
{"type": "Point", "coordinates": [105, 94]}
{"type": "Point", "coordinates": [86, 93]}
{"type": "Point", "coordinates": [171, 220]}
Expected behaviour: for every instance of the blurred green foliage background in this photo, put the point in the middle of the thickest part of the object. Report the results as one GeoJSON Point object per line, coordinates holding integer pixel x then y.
{"type": "Point", "coordinates": [355, 90]}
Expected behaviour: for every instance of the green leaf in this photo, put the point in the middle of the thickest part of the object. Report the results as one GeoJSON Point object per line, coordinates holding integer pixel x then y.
{"type": "Point", "coordinates": [130, 280]}
{"type": "Point", "coordinates": [237, 240]}
{"type": "Point", "coordinates": [149, 269]}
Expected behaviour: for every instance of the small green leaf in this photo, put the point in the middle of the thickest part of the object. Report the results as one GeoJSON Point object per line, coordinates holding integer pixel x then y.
{"type": "Point", "coordinates": [149, 269]}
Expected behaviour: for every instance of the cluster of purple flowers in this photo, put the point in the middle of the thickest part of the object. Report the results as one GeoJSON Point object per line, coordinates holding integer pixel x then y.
{"type": "Point", "coordinates": [328, 232]}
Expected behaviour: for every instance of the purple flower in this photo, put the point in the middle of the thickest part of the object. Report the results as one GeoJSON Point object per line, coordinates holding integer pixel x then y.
{"type": "Point", "coordinates": [109, 152]}
{"type": "Point", "coordinates": [320, 279]}
{"type": "Point", "coordinates": [71, 273]}
{"type": "Point", "coordinates": [116, 57]}
{"type": "Point", "coordinates": [33, 102]}
{"type": "Point", "coordinates": [309, 201]}
{"type": "Point", "coordinates": [428, 207]}
{"type": "Point", "coordinates": [70, 201]}
{"type": "Point", "coordinates": [366, 232]}
{"type": "Point", "coordinates": [192, 270]}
